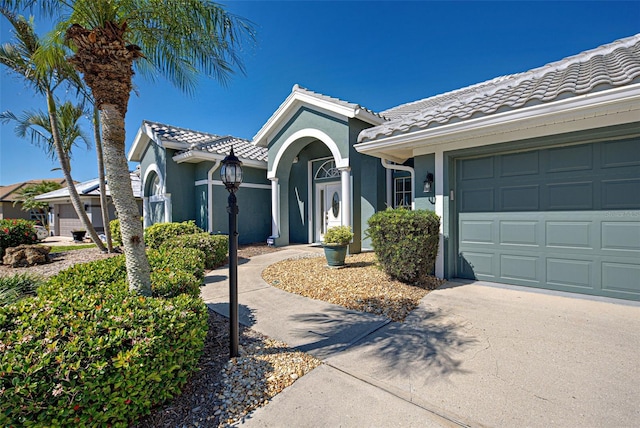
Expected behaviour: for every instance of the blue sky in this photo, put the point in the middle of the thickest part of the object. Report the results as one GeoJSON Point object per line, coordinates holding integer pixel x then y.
{"type": "Point", "coordinates": [375, 53]}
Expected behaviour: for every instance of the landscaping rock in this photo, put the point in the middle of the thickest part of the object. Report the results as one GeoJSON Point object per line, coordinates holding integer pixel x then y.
{"type": "Point", "coordinates": [26, 255]}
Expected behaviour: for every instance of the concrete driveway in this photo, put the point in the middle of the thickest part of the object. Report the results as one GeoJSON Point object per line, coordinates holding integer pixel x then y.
{"type": "Point", "coordinates": [504, 357]}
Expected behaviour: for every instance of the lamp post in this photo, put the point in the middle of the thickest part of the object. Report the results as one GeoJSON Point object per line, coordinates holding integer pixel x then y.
{"type": "Point", "coordinates": [231, 174]}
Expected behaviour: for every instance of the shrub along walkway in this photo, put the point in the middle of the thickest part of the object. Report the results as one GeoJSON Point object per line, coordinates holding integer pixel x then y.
{"type": "Point", "coordinates": [470, 354]}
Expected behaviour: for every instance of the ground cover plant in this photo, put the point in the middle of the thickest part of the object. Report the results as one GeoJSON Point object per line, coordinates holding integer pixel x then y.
{"type": "Point", "coordinates": [87, 351]}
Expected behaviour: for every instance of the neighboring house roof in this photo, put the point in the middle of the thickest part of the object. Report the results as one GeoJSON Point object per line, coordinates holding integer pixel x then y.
{"type": "Point", "coordinates": [300, 96]}
{"type": "Point", "coordinates": [196, 146]}
{"type": "Point", "coordinates": [9, 193]}
{"type": "Point", "coordinates": [90, 188]}
{"type": "Point", "coordinates": [609, 66]}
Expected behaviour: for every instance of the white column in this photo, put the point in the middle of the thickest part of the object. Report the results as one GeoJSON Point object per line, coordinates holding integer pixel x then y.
{"type": "Point", "coordinates": [439, 183]}
{"type": "Point", "coordinates": [168, 213]}
{"type": "Point", "coordinates": [389, 181]}
{"type": "Point", "coordinates": [345, 181]}
{"type": "Point", "coordinates": [275, 208]}
{"type": "Point", "coordinates": [146, 210]}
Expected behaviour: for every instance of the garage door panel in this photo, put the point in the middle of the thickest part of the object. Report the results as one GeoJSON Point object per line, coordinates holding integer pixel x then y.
{"type": "Point", "coordinates": [616, 154]}
{"type": "Point", "coordinates": [519, 233]}
{"type": "Point", "coordinates": [569, 159]}
{"type": "Point", "coordinates": [621, 277]}
{"type": "Point", "coordinates": [572, 226]}
{"type": "Point", "coordinates": [621, 236]}
{"type": "Point", "coordinates": [620, 194]}
{"type": "Point", "coordinates": [519, 164]}
{"type": "Point", "coordinates": [569, 234]}
{"type": "Point", "coordinates": [570, 272]}
{"type": "Point", "coordinates": [520, 198]}
{"type": "Point", "coordinates": [521, 268]}
{"type": "Point", "coordinates": [570, 196]}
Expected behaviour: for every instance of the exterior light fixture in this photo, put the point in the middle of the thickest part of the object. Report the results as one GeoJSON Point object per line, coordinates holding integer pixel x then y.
{"type": "Point", "coordinates": [428, 183]}
{"type": "Point", "coordinates": [231, 174]}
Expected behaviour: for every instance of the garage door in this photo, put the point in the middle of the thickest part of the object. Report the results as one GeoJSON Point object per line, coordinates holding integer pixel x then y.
{"type": "Point", "coordinates": [68, 220]}
{"type": "Point", "coordinates": [563, 218]}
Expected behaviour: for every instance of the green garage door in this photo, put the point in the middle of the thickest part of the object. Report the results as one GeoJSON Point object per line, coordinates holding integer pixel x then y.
{"type": "Point", "coordinates": [564, 218]}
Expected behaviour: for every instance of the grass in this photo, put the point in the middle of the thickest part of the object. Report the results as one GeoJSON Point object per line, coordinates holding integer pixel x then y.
{"type": "Point", "coordinates": [62, 248]}
{"type": "Point", "coordinates": [13, 288]}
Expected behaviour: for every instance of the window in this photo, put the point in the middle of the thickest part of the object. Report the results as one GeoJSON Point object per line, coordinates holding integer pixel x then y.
{"type": "Point", "coordinates": [402, 192]}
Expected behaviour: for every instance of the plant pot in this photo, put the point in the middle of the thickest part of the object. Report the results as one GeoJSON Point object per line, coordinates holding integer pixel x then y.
{"type": "Point", "coordinates": [335, 254]}
{"type": "Point", "coordinates": [78, 235]}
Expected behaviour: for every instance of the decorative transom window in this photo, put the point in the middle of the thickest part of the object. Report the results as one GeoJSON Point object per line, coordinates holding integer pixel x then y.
{"type": "Point", "coordinates": [328, 170]}
{"type": "Point", "coordinates": [402, 196]}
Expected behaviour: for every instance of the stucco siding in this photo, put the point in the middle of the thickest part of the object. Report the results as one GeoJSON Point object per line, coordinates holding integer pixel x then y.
{"type": "Point", "coordinates": [180, 186]}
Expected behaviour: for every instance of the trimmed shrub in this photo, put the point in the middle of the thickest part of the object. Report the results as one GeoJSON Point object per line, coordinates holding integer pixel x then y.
{"type": "Point", "coordinates": [14, 232]}
{"type": "Point", "coordinates": [95, 357]}
{"type": "Point", "coordinates": [156, 234]}
{"type": "Point", "coordinates": [172, 273]}
{"type": "Point", "coordinates": [405, 242]}
{"type": "Point", "coordinates": [338, 235]}
{"type": "Point", "coordinates": [214, 247]}
{"type": "Point", "coordinates": [14, 288]}
{"type": "Point", "coordinates": [116, 235]}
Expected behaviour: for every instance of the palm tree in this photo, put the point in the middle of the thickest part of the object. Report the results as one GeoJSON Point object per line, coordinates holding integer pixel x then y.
{"type": "Point", "coordinates": [25, 57]}
{"type": "Point", "coordinates": [178, 39]}
{"type": "Point", "coordinates": [27, 195]}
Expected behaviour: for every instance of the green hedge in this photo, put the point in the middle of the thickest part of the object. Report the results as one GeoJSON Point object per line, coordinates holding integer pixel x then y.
{"type": "Point", "coordinates": [156, 234]}
{"type": "Point", "coordinates": [86, 351]}
{"type": "Point", "coordinates": [172, 273]}
{"type": "Point", "coordinates": [214, 247]}
{"type": "Point", "coordinates": [14, 232]}
{"type": "Point", "coordinates": [405, 242]}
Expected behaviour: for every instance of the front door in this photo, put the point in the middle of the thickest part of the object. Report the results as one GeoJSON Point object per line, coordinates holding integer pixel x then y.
{"type": "Point", "coordinates": [328, 207]}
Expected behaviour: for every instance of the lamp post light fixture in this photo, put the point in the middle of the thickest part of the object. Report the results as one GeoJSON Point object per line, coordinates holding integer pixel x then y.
{"type": "Point", "coordinates": [231, 174]}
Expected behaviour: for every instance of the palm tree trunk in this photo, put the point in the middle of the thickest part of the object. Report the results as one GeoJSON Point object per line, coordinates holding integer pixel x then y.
{"type": "Point", "coordinates": [113, 138]}
{"type": "Point", "coordinates": [103, 185]}
{"type": "Point", "coordinates": [66, 170]}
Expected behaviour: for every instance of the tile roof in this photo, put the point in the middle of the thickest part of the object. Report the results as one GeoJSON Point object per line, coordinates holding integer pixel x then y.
{"type": "Point", "coordinates": [354, 106]}
{"type": "Point", "coordinates": [211, 143]}
{"type": "Point", "coordinates": [612, 65]}
{"type": "Point", "coordinates": [92, 188]}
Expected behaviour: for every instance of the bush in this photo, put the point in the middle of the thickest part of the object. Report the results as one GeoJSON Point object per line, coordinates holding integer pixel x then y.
{"type": "Point", "coordinates": [338, 235]}
{"type": "Point", "coordinates": [98, 357]}
{"type": "Point", "coordinates": [14, 232]}
{"type": "Point", "coordinates": [172, 273]}
{"type": "Point", "coordinates": [405, 242]}
{"type": "Point", "coordinates": [14, 288]}
{"type": "Point", "coordinates": [214, 247]}
{"type": "Point", "coordinates": [156, 234]}
{"type": "Point", "coordinates": [116, 235]}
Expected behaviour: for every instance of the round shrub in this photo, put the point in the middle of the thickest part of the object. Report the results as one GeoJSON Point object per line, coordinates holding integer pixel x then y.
{"type": "Point", "coordinates": [189, 260]}
{"type": "Point", "coordinates": [214, 247]}
{"type": "Point", "coordinates": [14, 232]}
{"type": "Point", "coordinates": [156, 234]}
{"type": "Point", "coordinates": [95, 357]}
{"type": "Point", "coordinates": [405, 242]}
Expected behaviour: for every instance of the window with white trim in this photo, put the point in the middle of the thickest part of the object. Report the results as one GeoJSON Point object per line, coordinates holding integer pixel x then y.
{"type": "Point", "coordinates": [402, 192]}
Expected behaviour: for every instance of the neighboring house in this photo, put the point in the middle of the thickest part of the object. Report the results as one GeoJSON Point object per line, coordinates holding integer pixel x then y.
{"type": "Point", "coordinates": [62, 216]}
{"type": "Point", "coordinates": [536, 175]}
{"type": "Point", "coordinates": [9, 195]}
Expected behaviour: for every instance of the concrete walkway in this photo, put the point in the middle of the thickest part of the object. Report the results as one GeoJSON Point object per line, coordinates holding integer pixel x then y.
{"type": "Point", "coordinates": [470, 355]}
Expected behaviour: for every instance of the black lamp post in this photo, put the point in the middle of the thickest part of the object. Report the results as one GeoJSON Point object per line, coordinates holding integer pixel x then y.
{"type": "Point", "coordinates": [231, 174]}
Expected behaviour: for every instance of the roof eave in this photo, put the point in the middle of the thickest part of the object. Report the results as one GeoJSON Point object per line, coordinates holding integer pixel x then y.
{"type": "Point", "coordinates": [197, 156]}
{"type": "Point", "coordinates": [605, 108]}
{"type": "Point", "coordinates": [298, 98]}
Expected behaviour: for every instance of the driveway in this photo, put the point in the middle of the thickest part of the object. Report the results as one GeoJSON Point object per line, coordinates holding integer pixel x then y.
{"type": "Point", "coordinates": [493, 356]}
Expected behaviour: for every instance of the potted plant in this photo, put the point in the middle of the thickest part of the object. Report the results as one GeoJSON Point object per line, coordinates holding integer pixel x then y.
{"type": "Point", "coordinates": [335, 244]}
